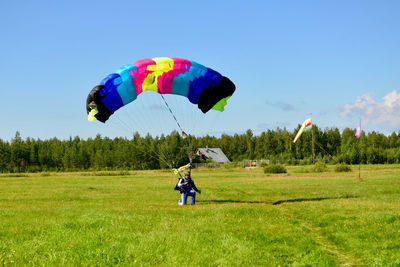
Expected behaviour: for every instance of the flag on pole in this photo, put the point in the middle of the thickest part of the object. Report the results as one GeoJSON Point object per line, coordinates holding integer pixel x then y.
{"type": "Point", "coordinates": [358, 131]}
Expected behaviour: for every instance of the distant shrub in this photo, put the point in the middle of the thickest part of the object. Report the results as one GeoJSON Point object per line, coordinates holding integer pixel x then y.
{"type": "Point", "coordinates": [232, 164]}
{"type": "Point", "coordinates": [107, 173]}
{"type": "Point", "coordinates": [103, 174]}
{"type": "Point", "coordinates": [276, 168]}
{"type": "Point", "coordinates": [301, 170]}
{"type": "Point", "coordinates": [34, 169]}
{"type": "Point", "coordinates": [123, 172]}
{"type": "Point", "coordinates": [319, 167]}
{"type": "Point", "coordinates": [305, 161]}
{"type": "Point", "coordinates": [44, 174]}
{"type": "Point", "coordinates": [342, 168]}
{"type": "Point", "coordinates": [16, 175]}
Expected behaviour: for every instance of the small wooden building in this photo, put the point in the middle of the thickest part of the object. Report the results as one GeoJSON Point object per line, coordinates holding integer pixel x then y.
{"type": "Point", "coordinates": [214, 154]}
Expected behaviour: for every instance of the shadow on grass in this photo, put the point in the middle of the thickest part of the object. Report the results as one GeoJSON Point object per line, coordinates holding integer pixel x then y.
{"type": "Point", "coordinates": [214, 201]}
{"type": "Point", "coordinates": [310, 199]}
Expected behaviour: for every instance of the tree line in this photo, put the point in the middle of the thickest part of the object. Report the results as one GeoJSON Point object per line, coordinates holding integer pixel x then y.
{"type": "Point", "coordinates": [166, 151]}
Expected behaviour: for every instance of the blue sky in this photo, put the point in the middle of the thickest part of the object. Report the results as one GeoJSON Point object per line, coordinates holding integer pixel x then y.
{"type": "Point", "coordinates": [338, 60]}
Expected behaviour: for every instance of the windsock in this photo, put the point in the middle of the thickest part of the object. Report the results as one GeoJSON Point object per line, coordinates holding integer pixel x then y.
{"type": "Point", "coordinates": [306, 123]}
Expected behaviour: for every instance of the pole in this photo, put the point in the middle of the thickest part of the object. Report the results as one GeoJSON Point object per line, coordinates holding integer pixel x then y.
{"type": "Point", "coordinates": [359, 155]}
{"type": "Point", "coordinates": [312, 137]}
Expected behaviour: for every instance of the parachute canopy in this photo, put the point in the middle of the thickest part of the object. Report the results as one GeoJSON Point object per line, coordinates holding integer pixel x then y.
{"type": "Point", "coordinates": [305, 124]}
{"type": "Point", "coordinates": [199, 84]}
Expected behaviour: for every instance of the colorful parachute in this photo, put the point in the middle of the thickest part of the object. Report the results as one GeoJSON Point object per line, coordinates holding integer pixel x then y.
{"type": "Point", "coordinates": [201, 85]}
{"type": "Point", "coordinates": [306, 123]}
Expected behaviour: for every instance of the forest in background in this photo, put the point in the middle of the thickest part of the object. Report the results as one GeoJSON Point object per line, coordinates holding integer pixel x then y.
{"type": "Point", "coordinates": [165, 151]}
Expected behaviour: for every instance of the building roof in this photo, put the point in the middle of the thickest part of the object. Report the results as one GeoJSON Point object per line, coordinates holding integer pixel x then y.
{"type": "Point", "coordinates": [215, 154]}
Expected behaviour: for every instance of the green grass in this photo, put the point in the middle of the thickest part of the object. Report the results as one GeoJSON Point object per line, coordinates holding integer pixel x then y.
{"type": "Point", "coordinates": [242, 218]}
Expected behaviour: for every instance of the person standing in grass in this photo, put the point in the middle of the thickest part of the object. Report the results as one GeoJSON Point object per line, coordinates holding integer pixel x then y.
{"type": "Point", "coordinates": [187, 188]}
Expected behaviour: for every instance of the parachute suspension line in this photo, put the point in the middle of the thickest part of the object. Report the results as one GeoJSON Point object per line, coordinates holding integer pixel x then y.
{"type": "Point", "coordinates": [189, 152]}
{"type": "Point", "coordinates": [214, 120]}
{"type": "Point", "coordinates": [184, 135]}
{"type": "Point", "coordinates": [122, 124]}
{"type": "Point", "coordinates": [125, 125]}
{"type": "Point", "coordinates": [150, 153]}
{"type": "Point", "coordinates": [326, 152]}
{"type": "Point", "coordinates": [186, 119]}
{"type": "Point", "coordinates": [116, 125]}
{"type": "Point", "coordinates": [142, 119]}
{"type": "Point", "coordinates": [132, 120]}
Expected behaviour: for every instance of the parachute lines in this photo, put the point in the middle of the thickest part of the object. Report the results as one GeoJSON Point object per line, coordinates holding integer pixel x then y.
{"type": "Point", "coordinates": [173, 115]}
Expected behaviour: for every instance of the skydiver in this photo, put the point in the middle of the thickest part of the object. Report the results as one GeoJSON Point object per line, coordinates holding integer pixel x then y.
{"type": "Point", "coordinates": [187, 188]}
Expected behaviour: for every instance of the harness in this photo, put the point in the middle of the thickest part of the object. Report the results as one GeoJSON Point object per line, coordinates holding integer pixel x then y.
{"type": "Point", "coordinates": [182, 188]}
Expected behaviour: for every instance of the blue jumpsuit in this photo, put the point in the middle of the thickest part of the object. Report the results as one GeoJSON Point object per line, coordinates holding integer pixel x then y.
{"type": "Point", "coordinates": [189, 189]}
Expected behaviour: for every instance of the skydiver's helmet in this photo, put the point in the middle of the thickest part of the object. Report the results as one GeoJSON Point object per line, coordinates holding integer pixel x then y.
{"type": "Point", "coordinates": [187, 173]}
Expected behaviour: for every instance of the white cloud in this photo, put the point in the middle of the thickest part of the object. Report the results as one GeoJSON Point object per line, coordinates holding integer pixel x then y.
{"type": "Point", "coordinates": [281, 105]}
{"type": "Point", "coordinates": [386, 112]}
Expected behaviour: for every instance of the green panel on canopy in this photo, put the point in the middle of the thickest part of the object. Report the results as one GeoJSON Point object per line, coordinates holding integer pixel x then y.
{"type": "Point", "coordinates": [221, 104]}
{"type": "Point", "coordinates": [92, 113]}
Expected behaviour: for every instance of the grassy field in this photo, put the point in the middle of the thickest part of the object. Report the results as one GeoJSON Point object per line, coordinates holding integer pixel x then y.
{"type": "Point", "coordinates": [243, 217]}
